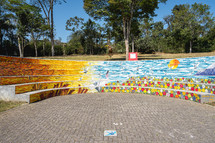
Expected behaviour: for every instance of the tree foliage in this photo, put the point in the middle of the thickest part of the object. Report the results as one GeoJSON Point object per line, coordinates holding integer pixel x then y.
{"type": "Point", "coordinates": [48, 9]}
{"type": "Point", "coordinates": [127, 23]}
{"type": "Point", "coordinates": [86, 38]}
{"type": "Point", "coordinates": [122, 11]}
{"type": "Point", "coordinates": [189, 24]}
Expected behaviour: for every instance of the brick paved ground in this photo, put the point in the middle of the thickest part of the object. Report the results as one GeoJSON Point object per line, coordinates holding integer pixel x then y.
{"type": "Point", "coordinates": [83, 118]}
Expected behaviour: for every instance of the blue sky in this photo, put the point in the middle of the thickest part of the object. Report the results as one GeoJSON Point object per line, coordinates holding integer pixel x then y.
{"type": "Point", "coordinates": [75, 8]}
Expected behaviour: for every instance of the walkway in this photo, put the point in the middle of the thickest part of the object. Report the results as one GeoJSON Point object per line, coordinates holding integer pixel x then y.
{"type": "Point", "coordinates": [137, 118]}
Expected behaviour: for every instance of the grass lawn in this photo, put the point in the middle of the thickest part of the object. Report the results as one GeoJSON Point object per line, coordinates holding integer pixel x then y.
{"type": "Point", "coordinates": [121, 57]}
{"type": "Point", "coordinates": [5, 105]}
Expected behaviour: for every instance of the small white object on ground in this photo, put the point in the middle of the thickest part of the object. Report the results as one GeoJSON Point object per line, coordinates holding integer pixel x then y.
{"type": "Point", "coordinates": [110, 133]}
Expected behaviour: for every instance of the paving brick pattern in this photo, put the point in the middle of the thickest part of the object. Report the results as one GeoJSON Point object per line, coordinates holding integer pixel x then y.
{"type": "Point", "coordinates": [83, 118]}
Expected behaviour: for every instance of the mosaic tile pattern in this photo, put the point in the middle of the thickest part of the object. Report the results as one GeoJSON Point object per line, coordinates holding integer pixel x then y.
{"type": "Point", "coordinates": [209, 71]}
{"type": "Point", "coordinates": [182, 88]}
{"type": "Point", "coordinates": [122, 70]}
{"type": "Point", "coordinates": [196, 85]}
{"type": "Point", "coordinates": [48, 78]}
{"type": "Point", "coordinates": [190, 79]}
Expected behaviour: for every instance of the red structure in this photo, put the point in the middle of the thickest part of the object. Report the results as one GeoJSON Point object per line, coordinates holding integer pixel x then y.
{"type": "Point", "coordinates": [133, 56]}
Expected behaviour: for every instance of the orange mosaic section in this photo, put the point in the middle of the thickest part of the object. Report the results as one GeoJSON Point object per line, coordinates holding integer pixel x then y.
{"type": "Point", "coordinates": [41, 79]}
{"type": "Point", "coordinates": [13, 65]}
{"type": "Point", "coordinates": [15, 70]}
{"type": "Point", "coordinates": [20, 72]}
{"type": "Point", "coordinates": [27, 79]}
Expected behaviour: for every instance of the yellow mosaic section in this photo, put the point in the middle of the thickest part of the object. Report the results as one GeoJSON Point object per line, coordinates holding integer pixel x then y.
{"type": "Point", "coordinates": [52, 93]}
{"type": "Point", "coordinates": [23, 70]}
{"type": "Point", "coordinates": [43, 74]}
{"type": "Point", "coordinates": [47, 85]}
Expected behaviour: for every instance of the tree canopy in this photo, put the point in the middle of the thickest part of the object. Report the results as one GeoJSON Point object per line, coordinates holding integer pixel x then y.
{"type": "Point", "coordinates": [27, 28]}
{"type": "Point", "coordinates": [123, 11]}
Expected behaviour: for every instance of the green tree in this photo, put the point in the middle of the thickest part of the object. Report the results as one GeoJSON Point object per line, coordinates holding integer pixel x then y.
{"type": "Point", "coordinates": [100, 36]}
{"type": "Point", "coordinates": [74, 24]}
{"type": "Point", "coordinates": [21, 12]}
{"type": "Point", "coordinates": [6, 28]}
{"type": "Point", "coordinates": [144, 43]}
{"type": "Point", "coordinates": [76, 43]}
{"type": "Point", "coordinates": [135, 33]}
{"type": "Point", "coordinates": [48, 9]}
{"type": "Point", "coordinates": [89, 34]}
{"type": "Point", "coordinates": [123, 10]}
{"type": "Point", "coordinates": [190, 23]}
{"type": "Point", "coordinates": [37, 26]}
{"type": "Point", "coordinates": [157, 36]}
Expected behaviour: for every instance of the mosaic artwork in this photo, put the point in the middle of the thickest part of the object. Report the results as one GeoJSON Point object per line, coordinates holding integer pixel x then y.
{"type": "Point", "coordinates": [179, 88]}
{"type": "Point", "coordinates": [184, 78]}
{"type": "Point", "coordinates": [48, 78]}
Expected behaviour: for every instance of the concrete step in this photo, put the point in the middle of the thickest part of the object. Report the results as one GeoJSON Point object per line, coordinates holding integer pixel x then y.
{"type": "Point", "coordinates": [38, 95]}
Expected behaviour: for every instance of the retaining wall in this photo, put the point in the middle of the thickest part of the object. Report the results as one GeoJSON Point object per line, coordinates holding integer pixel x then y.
{"type": "Point", "coordinates": [193, 79]}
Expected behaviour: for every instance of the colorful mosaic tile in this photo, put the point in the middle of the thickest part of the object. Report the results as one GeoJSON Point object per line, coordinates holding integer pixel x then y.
{"type": "Point", "coordinates": [185, 78]}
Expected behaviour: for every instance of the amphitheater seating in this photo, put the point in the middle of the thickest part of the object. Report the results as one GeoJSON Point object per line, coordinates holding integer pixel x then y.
{"type": "Point", "coordinates": [200, 90]}
{"type": "Point", "coordinates": [33, 80]}
{"type": "Point", "coordinates": [7, 80]}
{"type": "Point", "coordinates": [40, 79]}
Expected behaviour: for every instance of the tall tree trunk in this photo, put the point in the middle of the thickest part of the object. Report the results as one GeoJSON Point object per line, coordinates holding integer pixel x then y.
{"type": "Point", "coordinates": [1, 40]}
{"type": "Point", "coordinates": [125, 33]}
{"type": "Point", "coordinates": [127, 48]}
{"type": "Point", "coordinates": [35, 46]}
{"type": "Point", "coordinates": [127, 37]}
{"type": "Point", "coordinates": [20, 48]}
{"type": "Point", "coordinates": [90, 49]}
{"type": "Point", "coordinates": [43, 46]}
{"type": "Point", "coordinates": [35, 43]}
{"type": "Point", "coordinates": [64, 50]}
{"type": "Point", "coordinates": [127, 28]}
{"type": "Point", "coordinates": [52, 27]}
{"type": "Point", "coordinates": [132, 43]}
{"type": "Point", "coordinates": [191, 45]}
{"type": "Point", "coordinates": [23, 46]}
{"type": "Point", "coordinates": [158, 48]}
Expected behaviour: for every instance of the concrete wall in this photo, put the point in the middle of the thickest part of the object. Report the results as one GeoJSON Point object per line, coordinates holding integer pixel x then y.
{"type": "Point", "coordinates": [7, 93]}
